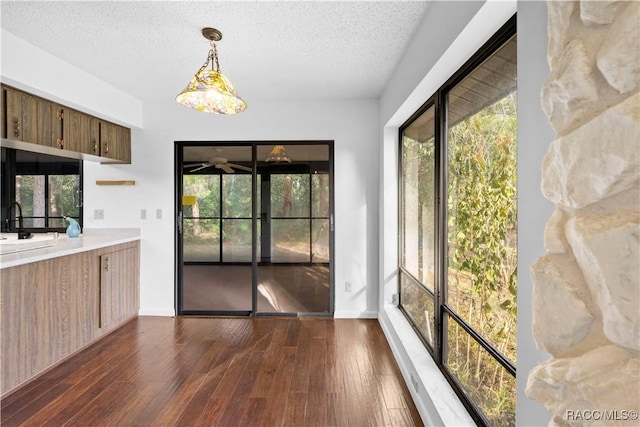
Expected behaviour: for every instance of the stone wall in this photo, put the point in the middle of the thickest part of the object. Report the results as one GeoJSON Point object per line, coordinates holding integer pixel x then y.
{"type": "Point", "coordinates": [586, 306]}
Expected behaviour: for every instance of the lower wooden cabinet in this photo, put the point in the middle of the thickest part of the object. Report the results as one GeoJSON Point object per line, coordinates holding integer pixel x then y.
{"type": "Point", "coordinates": [117, 302]}
{"type": "Point", "coordinates": [53, 308]}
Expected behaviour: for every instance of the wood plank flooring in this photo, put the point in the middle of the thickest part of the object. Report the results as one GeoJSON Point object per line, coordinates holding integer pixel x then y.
{"type": "Point", "coordinates": [162, 371]}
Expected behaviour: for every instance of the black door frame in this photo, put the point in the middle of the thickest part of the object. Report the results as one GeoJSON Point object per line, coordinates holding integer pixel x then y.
{"type": "Point", "coordinates": [178, 247]}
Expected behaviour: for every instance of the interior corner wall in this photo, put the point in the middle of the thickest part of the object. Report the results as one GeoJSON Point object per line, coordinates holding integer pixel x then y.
{"type": "Point", "coordinates": [534, 136]}
{"type": "Point", "coordinates": [351, 124]}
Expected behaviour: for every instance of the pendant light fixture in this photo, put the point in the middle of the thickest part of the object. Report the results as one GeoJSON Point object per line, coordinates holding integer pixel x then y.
{"type": "Point", "coordinates": [210, 90]}
{"type": "Point", "coordinates": [278, 155]}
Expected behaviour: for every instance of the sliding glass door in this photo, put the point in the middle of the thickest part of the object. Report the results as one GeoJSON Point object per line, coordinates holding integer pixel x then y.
{"type": "Point", "coordinates": [254, 233]}
{"type": "Point", "coordinates": [294, 269]}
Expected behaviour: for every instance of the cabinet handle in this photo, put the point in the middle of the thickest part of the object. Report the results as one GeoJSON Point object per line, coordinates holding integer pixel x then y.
{"type": "Point", "coordinates": [17, 128]}
{"type": "Point", "coordinates": [95, 147]}
{"type": "Point", "coordinates": [106, 148]}
{"type": "Point", "coordinates": [60, 114]}
{"type": "Point", "coordinates": [60, 143]}
{"type": "Point", "coordinates": [106, 263]}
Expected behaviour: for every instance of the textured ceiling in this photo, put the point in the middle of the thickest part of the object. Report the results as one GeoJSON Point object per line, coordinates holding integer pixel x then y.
{"type": "Point", "coordinates": [269, 50]}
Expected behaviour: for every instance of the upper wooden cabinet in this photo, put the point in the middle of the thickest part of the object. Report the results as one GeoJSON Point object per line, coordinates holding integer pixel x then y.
{"type": "Point", "coordinates": [115, 142]}
{"type": "Point", "coordinates": [34, 120]}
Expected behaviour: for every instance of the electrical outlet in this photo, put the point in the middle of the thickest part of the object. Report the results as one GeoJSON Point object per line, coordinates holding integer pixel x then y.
{"type": "Point", "coordinates": [158, 213]}
{"type": "Point", "coordinates": [414, 382]}
{"type": "Point", "coordinates": [347, 286]}
{"type": "Point", "coordinates": [98, 214]}
{"type": "Point", "coordinates": [395, 299]}
{"type": "Point", "coordinates": [143, 214]}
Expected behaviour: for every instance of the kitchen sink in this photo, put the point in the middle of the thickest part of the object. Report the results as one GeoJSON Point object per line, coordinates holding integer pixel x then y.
{"type": "Point", "coordinates": [9, 242]}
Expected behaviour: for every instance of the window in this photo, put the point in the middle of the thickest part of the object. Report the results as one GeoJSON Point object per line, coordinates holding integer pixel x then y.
{"type": "Point", "coordinates": [458, 249]}
{"type": "Point", "coordinates": [217, 216]}
{"type": "Point", "coordinates": [217, 222]}
{"type": "Point", "coordinates": [48, 188]}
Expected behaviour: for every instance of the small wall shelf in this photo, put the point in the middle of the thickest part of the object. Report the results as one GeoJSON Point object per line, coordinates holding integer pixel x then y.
{"type": "Point", "coordinates": [112, 182]}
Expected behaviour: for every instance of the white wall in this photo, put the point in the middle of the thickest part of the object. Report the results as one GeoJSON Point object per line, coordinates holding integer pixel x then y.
{"type": "Point", "coordinates": [352, 124]}
{"type": "Point", "coordinates": [449, 35]}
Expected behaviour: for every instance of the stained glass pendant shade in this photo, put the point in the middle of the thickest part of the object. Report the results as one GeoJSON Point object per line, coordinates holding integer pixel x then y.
{"type": "Point", "coordinates": [210, 90]}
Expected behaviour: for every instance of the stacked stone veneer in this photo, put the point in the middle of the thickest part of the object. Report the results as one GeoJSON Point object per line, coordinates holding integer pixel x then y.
{"type": "Point", "coordinates": [586, 307]}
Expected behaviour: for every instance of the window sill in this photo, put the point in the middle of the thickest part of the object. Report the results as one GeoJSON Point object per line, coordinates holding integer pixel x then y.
{"type": "Point", "coordinates": [433, 396]}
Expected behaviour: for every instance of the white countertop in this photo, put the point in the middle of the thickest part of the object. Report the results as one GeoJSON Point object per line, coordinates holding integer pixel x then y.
{"type": "Point", "coordinates": [89, 240]}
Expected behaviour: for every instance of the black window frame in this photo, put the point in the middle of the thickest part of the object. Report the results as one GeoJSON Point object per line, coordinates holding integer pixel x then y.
{"type": "Point", "coordinates": [46, 165]}
{"type": "Point", "coordinates": [438, 102]}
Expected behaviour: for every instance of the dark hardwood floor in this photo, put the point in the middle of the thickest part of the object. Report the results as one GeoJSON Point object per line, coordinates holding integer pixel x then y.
{"type": "Point", "coordinates": [162, 371]}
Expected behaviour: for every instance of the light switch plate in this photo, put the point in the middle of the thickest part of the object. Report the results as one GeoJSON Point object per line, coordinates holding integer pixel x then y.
{"type": "Point", "coordinates": [98, 214]}
{"type": "Point", "coordinates": [158, 213]}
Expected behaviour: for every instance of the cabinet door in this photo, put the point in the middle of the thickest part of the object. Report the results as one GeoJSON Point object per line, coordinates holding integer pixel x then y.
{"type": "Point", "coordinates": [46, 123]}
{"type": "Point", "coordinates": [108, 138]}
{"type": "Point", "coordinates": [118, 287]}
{"type": "Point", "coordinates": [29, 118]}
{"type": "Point", "coordinates": [124, 144]}
{"type": "Point", "coordinates": [81, 132]}
{"type": "Point", "coordinates": [94, 136]}
{"type": "Point", "coordinates": [13, 126]}
{"type": "Point", "coordinates": [21, 122]}
{"type": "Point", "coordinates": [58, 126]}
{"type": "Point", "coordinates": [115, 142]}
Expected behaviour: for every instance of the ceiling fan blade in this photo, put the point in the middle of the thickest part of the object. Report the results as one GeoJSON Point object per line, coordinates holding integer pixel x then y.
{"type": "Point", "coordinates": [242, 168]}
{"type": "Point", "coordinates": [203, 166]}
{"type": "Point", "coordinates": [225, 168]}
{"type": "Point", "coordinates": [189, 165]}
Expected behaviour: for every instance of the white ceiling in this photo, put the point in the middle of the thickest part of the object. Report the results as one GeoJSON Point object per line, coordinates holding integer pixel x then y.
{"type": "Point", "coordinates": [269, 50]}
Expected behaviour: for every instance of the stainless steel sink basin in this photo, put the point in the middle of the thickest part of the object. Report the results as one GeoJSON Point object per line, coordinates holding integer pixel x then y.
{"type": "Point", "coordinates": [9, 242]}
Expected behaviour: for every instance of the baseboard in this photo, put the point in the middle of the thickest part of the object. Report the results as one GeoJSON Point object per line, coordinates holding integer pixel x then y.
{"type": "Point", "coordinates": [369, 314]}
{"type": "Point", "coordinates": [156, 311]}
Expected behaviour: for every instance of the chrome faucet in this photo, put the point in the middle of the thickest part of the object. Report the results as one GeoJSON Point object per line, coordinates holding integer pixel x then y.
{"type": "Point", "coordinates": [21, 233]}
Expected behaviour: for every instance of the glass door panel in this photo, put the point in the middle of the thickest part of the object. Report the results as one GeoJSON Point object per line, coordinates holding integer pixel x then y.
{"type": "Point", "coordinates": [320, 220]}
{"type": "Point", "coordinates": [201, 218]}
{"type": "Point", "coordinates": [294, 272]}
{"type": "Point", "coordinates": [216, 230]}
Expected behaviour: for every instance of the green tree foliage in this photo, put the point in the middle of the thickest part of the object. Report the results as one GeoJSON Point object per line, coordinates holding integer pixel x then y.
{"type": "Point", "coordinates": [63, 194]}
{"type": "Point", "coordinates": [481, 183]}
{"type": "Point", "coordinates": [482, 252]}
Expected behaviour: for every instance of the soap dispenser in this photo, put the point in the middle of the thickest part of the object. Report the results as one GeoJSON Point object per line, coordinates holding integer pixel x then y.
{"type": "Point", "coordinates": [73, 230]}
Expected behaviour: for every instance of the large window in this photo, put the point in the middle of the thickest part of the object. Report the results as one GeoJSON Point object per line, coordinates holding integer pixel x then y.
{"type": "Point", "coordinates": [48, 188]}
{"type": "Point", "coordinates": [458, 248]}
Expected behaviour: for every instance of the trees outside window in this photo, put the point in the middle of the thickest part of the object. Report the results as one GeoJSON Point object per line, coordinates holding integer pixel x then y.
{"type": "Point", "coordinates": [458, 249]}
{"type": "Point", "coordinates": [48, 189]}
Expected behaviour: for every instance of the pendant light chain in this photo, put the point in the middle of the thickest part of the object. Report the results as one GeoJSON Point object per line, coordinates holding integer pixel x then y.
{"type": "Point", "coordinates": [214, 49]}
{"type": "Point", "coordinates": [209, 90]}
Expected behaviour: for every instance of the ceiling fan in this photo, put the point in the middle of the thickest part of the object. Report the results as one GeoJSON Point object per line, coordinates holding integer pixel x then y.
{"type": "Point", "coordinates": [218, 163]}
